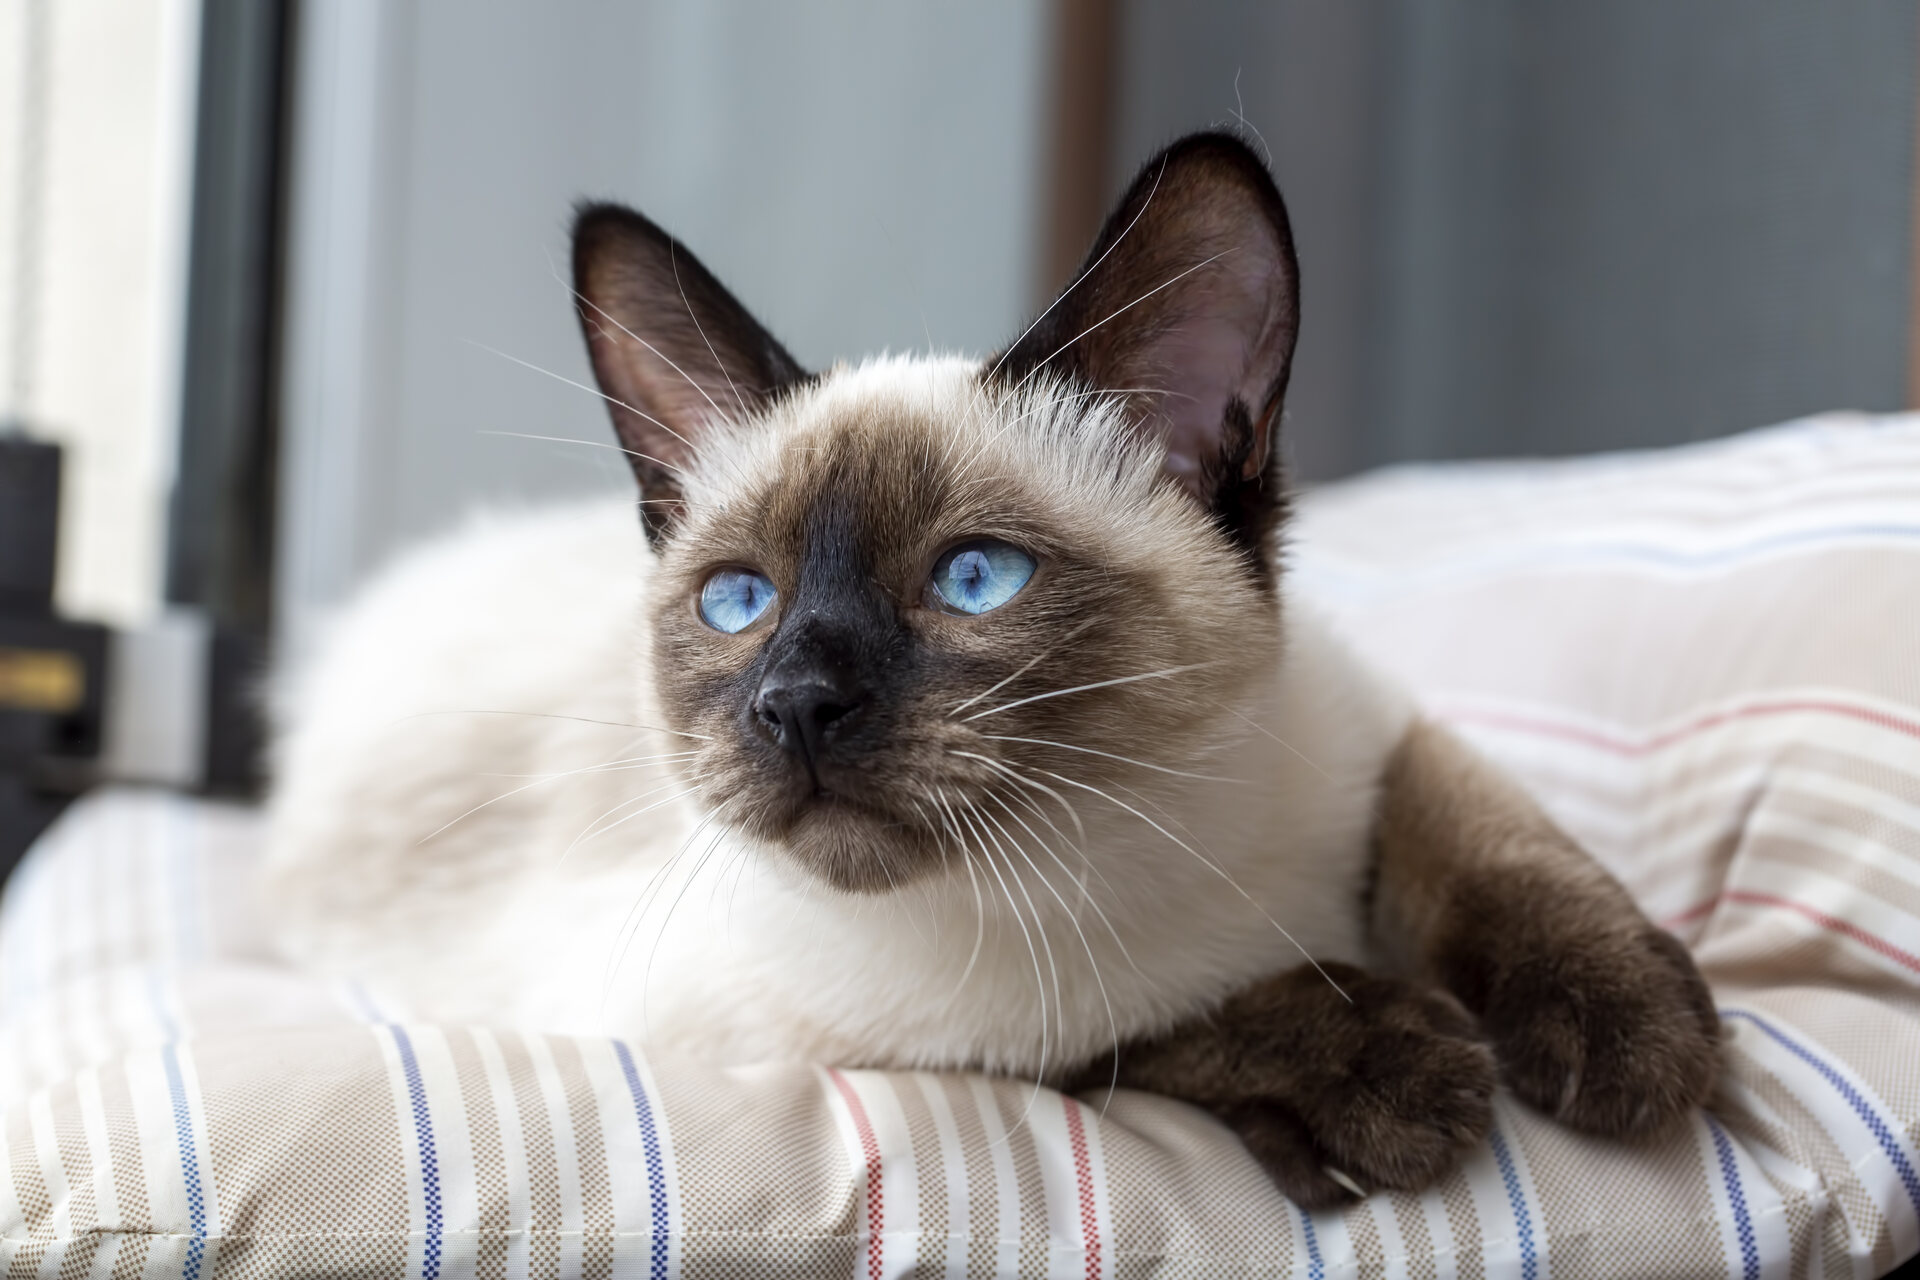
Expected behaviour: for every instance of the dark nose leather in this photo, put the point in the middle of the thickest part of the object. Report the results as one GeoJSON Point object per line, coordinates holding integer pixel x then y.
{"type": "Point", "coordinates": [804, 712]}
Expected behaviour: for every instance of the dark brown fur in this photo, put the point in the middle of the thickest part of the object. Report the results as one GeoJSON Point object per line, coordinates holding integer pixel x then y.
{"type": "Point", "coordinates": [1595, 1015]}
{"type": "Point", "coordinates": [1386, 1083]}
{"type": "Point", "coordinates": [1598, 1015]}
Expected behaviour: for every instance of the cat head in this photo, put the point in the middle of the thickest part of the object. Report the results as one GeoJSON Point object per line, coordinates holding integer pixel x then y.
{"type": "Point", "coordinates": [913, 612]}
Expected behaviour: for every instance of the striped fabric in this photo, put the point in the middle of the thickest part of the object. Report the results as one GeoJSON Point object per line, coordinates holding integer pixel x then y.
{"type": "Point", "coordinates": [1706, 662]}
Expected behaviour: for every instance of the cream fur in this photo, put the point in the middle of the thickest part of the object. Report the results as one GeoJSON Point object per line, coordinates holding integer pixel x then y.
{"type": "Point", "coordinates": [415, 713]}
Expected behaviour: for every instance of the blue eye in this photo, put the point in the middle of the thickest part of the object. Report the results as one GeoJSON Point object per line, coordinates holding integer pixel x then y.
{"type": "Point", "coordinates": [734, 598]}
{"type": "Point", "coordinates": [977, 576]}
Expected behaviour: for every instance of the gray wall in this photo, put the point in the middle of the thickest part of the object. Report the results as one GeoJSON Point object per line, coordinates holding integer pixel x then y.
{"type": "Point", "coordinates": [1525, 228]}
{"type": "Point", "coordinates": [1548, 229]}
{"type": "Point", "coordinates": [863, 174]}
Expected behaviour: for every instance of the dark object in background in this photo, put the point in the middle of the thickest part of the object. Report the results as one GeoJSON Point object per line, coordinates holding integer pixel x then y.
{"type": "Point", "coordinates": [169, 704]}
{"type": "Point", "coordinates": [52, 672]}
{"type": "Point", "coordinates": [220, 530]}
{"type": "Point", "coordinates": [29, 523]}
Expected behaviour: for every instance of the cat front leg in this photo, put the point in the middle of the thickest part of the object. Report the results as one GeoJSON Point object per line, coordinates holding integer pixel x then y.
{"type": "Point", "coordinates": [1598, 1016]}
{"type": "Point", "coordinates": [1337, 1080]}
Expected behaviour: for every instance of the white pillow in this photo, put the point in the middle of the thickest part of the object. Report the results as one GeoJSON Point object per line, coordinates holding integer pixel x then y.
{"type": "Point", "coordinates": [1705, 662]}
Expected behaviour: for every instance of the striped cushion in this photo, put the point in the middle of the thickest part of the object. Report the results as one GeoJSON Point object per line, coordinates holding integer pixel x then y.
{"type": "Point", "coordinates": [1706, 662]}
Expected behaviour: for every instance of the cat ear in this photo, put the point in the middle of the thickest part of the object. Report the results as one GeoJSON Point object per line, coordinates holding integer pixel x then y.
{"type": "Point", "coordinates": [672, 350]}
{"type": "Point", "coordinates": [1189, 302]}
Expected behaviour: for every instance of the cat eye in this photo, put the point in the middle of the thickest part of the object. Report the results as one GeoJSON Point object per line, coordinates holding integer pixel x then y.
{"type": "Point", "coordinates": [733, 599]}
{"type": "Point", "coordinates": [982, 575]}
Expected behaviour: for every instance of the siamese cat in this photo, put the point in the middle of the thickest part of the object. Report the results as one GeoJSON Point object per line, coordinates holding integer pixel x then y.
{"type": "Point", "coordinates": [949, 713]}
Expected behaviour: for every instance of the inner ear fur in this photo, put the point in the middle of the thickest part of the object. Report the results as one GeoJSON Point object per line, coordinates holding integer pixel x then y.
{"type": "Point", "coordinates": [672, 350]}
{"type": "Point", "coordinates": [1189, 305]}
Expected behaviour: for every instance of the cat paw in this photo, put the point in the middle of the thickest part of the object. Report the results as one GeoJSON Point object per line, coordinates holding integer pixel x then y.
{"type": "Point", "coordinates": [1615, 1035]}
{"type": "Point", "coordinates": [1382, 1092]}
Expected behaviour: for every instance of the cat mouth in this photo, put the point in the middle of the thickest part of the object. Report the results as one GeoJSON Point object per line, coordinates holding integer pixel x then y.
{"type": "Point", "coordinates": [851, 843]}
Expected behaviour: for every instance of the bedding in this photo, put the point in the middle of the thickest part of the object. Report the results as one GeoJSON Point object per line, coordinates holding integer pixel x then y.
{"type": "Point", "coordinates": [1704, 661]}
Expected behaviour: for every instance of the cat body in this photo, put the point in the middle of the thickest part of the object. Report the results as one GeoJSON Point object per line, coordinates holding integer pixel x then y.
{"type": "Point", "coordinates": [426, 702]}
{"type": "Point", "coordinates": [940, 713]}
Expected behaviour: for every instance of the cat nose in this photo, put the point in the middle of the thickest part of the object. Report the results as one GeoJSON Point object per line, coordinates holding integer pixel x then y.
{"type": "Point", "coordinates": [802, 715]}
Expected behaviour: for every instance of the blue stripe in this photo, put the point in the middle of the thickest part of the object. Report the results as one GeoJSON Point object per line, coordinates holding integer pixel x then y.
{"type": "Point", "coordinates": [1522, 1220]}
{"type": "Point", "coordinates": [1742, 1220]}
{"type": "Point", "coordinates": [1316, 1269]}
{"type": "Point", "coordinates": [1862, 1108]}
{"type": "Point", "coordinates": [429, 1163]}
{"type": "Point", "coordinates": [656, 1163]}
{"type": "Point", "coordinates": [189, 1165]}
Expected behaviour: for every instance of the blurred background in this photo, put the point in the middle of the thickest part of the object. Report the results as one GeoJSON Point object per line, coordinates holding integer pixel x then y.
{"type": "Point", "coordinates": [277, 274]}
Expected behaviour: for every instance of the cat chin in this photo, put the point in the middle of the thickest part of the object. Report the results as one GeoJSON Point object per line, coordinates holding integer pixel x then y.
{"type": "Point", "coordinates": [857, 850]}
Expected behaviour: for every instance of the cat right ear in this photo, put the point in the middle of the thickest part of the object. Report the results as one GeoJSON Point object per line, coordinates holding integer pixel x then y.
{"type": "Point", "coordinates": [672, 350]}
{"type": "Point", "coordinates": [1188, 306]}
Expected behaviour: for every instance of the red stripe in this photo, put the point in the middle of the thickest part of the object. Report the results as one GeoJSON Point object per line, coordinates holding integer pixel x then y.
{"type": "Point", "coordinates": [870, 1148]}
{"type": "Point", "coordinates": [1619, 745]}
{"type": "Point", "coordinates": [1748, 897]}
{"type": "Point", "coordinates": [1692, 913]}
{"type": "Point", "coordinates": [1083, 1174]}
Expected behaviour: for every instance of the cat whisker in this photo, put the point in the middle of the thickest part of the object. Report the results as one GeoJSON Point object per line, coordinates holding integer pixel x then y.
{"type": "Point", "coordinates": [1172, 819]}
{"type": "Point", "coordinates": [979, 905]}
{"type": "Point", "coordinates": [1093, 961]}
{"type": "Point", "coordinates": [579, 386]}
{"type": "Point", "coordinates": [800, 903]}
{"type": "Point", "coordinates": [1058, 861]}
{"type": "Point", "coordinates": [587, 830]}
{"type": "Point", "coordinates": [1067, 746]}
{"type": "Point", "coordinates": [1083, 276]}
{"type": "Point", "coordinates": [744, 862]}
{"type": "Point", "coordinates": [636, 914]}
{"type": "Point", "coordinates": [551, 715]}
{"type": "Point", "coordinates": [538, 780]}
{"type": "Point", "coordinates": [1214, 867]}
{"type": "Point", "coordinates": [594, 830]}
{"type": "Point", "coordinates": [893, 892]}
{"type": "Point", "coordinates": [666, 920]}
{"type": "Point", "coordinates": [574, 294]}
{"type": "Point", "coordinates": [1087, 862]}
{"type": "Point", "coordinates": [1073, 814]}
{"type": "Point", "coordinates": [657, 354]}
{"type": "Point", "coordinates": [1113, 315]}
{"type": "Point", "coordinates": [1028, 666]}
{"type": "Point", "coordinates": [1039, 982]}
{"type": "Point", "coordinates": [1007, 851]}
{"type": "Point", "coordinates": [1283, 742]}
{"type": "Point", "coordinates": [654, 885]}
{"type": "Point", "coordinates": [738, 864]}
{"type": "Point", "coordinates": [610, 766]}
{"type": "Point", "coordinates": [590, 444]}
{"type": "Point", "coordinates": [925, 886]}
{"type": "Point", "coordinates": [738, 400]}
{"type": "Point", "coordinates": [1097, 684]}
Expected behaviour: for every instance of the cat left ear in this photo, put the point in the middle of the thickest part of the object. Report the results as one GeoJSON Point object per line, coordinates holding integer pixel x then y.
{"type": "Point", "coordinates": [1189, 304]}
{"type": "Point", "coordinates": [673, 351]}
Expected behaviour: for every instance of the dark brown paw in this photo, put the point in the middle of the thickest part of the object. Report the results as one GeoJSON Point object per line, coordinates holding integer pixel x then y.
{"type": "Point", "coordinates": [1614, 1034]}
{"type": "Point", "coordinates": [1380, 1093]}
